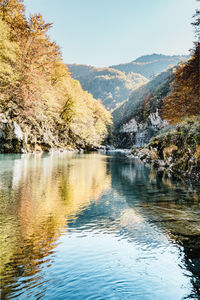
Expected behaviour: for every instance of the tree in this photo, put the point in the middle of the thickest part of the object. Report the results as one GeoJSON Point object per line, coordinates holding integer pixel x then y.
{"type": "Point", "coordinates": [196, 24]}
{"type": "Point", "coordinates": [13, 13]}
{"type": "Point", "coordinates": [8, 58]}
{"type": "Point", "coordinates": [184, 98]}
{"type": "Point", "coordinates": [36, 83]}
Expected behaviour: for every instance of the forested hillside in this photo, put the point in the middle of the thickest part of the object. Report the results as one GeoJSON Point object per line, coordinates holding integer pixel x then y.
{"type": "Point", "coordinates": [150, 65]}
{"type": "Point", "coordinates": [145, 100]}
{"type": "Point", "coordinates": [110, 85]}
{"type": "Point", "coordinates": [41, 106]}
{"type": "Point", "coordinates": [184, 99]}
{"type": "Point", "coordinates": [115, 84]}
{"type": "Point", "coordinates": [138, 119]}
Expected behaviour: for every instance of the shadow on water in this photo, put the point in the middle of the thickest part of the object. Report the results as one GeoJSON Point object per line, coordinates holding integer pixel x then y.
{"type": "Point", "coordinates": [46, 197]}
{"type": "Point", "coordinates": [172, 205]}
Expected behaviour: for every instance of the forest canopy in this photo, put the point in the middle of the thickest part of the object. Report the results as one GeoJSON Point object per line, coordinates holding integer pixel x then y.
{"type": "Point", "coordinates": [35, 84]}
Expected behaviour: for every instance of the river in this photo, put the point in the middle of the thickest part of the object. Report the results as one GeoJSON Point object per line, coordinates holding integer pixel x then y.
{"type": "Point", "coordinates": [96, 226]}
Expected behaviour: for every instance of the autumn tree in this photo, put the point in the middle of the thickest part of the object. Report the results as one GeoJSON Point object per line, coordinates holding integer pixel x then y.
{"type": "Point", "coordinates": [8, 58]}
{"type": "Point", "coordinates": [184, 98]}
{"type": "Point", "coordinates": [13, 13]}
{"type": "Point", "coordinates": [36, 83]}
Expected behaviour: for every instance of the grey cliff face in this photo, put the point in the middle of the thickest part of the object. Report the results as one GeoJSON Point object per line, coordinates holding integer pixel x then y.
{"type": "Point", "coordinates": [139, 133]}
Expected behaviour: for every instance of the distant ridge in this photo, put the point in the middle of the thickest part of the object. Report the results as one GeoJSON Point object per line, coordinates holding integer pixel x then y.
{"type": "Point", "coordinates": [150, 65]}
{"type": "Point", "coordinates": [155, 56]}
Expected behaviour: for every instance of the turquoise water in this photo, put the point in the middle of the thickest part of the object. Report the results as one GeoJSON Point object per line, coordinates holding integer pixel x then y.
{"type": "Point", "coordinates": [94, 226]}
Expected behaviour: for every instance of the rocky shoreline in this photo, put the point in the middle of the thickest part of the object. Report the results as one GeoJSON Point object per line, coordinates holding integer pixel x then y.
{"type": "Point", "coordinates": [21, 134]}
{"type": "Point", "coordinates": [177, 152]}
{"type": "Point", "coordinates": [144, 156]}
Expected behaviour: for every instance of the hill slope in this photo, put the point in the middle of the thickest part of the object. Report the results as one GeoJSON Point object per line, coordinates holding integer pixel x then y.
{"type": "Point", "coordinates": [150, 65]}
{"type": "Point", "coordinates": [131, 107]}
{"type": "Point", "coordinates": [110, 85]}
{"type": "Point", "coordinates": [113, 85]}
{"type": "Point", "coordinates": [137, 119]}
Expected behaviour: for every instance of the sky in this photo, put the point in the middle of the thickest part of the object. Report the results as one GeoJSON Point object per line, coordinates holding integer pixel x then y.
{"type": "Point", "coordinates": [108, 32]}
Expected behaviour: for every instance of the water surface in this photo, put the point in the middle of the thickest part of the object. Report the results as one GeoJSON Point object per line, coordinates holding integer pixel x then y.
{"type": "Point", "coordinates": [93, 226]}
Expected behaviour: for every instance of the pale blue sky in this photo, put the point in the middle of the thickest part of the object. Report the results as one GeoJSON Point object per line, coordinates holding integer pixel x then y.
{"type": "Point", "coordinates": [107, 32]}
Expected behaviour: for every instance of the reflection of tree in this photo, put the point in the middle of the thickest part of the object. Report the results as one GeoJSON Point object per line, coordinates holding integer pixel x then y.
{"type": "Point", "coordinates": [39, 195]}
{"type": "Point", "coordinates": [42, 195]}
{"type": "Point", "coordinates": [171, 205]}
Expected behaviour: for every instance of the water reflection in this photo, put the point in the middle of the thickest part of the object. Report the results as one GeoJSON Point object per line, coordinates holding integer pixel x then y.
{"type": "Point", "coordinates": [39, 193]}
{"type": "Point", "coordinates": [172, 205]}
{"type": "Point", "coordinates": [103, 222]}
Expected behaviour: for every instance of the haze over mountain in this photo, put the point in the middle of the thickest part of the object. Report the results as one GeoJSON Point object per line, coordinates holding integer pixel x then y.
{"type": "Point", "coordinates": [110, 85]}
{"type": "Point", "coordinates": [150, 65]}
{"type": "Point", "coordinates": [113, 85]}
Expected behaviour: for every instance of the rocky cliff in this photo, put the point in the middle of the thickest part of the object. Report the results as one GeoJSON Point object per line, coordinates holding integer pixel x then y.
{"type": "Point", "coordinates": [19, 134]}
{"type": "Point", "coordinates": [138, 119]}
{"type": "Point", "coordinates": [177, 151]}
{"type": "Point", "coordinates": [139, 133]}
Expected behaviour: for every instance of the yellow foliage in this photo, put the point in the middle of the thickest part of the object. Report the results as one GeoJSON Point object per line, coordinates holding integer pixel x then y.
{"type": "Point", "coordinates": [31, 68]}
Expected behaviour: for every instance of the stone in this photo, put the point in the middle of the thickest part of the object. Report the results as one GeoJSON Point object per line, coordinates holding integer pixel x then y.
{"type": "Point", "coordinates": [168, 153]}
{"type": "Point", "coordinates": [17, 131]}
{"type": "Point", "coordinates": [153, 153]}
{"type": "Point", "coordinates": [141, 132]}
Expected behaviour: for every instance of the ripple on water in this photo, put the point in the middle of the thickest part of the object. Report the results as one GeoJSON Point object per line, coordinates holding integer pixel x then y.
{"type": "Point", "coordinates": [95, 227]}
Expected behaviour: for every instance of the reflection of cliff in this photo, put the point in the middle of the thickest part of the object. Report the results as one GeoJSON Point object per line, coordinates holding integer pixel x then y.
{"type": "Point", "coordinates": [39, 194]}
{"type": "Point", "coordinates": [171, 205]}
{"type": "Point", "coordinates": [150, 185]}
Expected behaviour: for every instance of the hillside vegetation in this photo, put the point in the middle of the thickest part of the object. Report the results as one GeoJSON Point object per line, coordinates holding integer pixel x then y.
{"type": "Point", "coordinates": [41, 106]}
{"type": "Point", "coordinates": [110, 85]}
{"type": "Point", "coordinates": [143, 101]}
{"type": "Point", "coordinates": [177, 150]}
{"type": "Point", "coordinates": [184, 98]}
{"type": "Point", "coordinates": [115, 84]}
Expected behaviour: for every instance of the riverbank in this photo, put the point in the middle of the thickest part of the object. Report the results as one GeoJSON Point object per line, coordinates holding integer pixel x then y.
{"type": "Point", "coordinates": [21, 133]}
{"type": "Point", "coordinates": [176, 151]}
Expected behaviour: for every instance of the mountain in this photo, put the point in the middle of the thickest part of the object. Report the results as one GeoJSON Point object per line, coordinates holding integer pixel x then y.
{"type": "Point", "coordinates": [129, 108]}
{"type": "Point", "coordinates": [150, 65]}
{"type": "Point", "coordinates": [78, 71]}
{"type": "Point", "coordinates": [113, 85]}
{"type": "Point", "coordinates": [138, 118]}
{"type": "Point", "coordinates": [110, 85]}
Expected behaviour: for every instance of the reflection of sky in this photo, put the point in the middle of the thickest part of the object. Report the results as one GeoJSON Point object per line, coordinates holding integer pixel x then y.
{"type": "Point", "coordinates": [89, 264]}
{"type": "Point", "coordinates": [111, 213]}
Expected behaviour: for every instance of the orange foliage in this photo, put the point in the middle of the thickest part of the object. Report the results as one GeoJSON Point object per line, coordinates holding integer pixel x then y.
{"type": "Point", "coordinates": [184, 99]}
